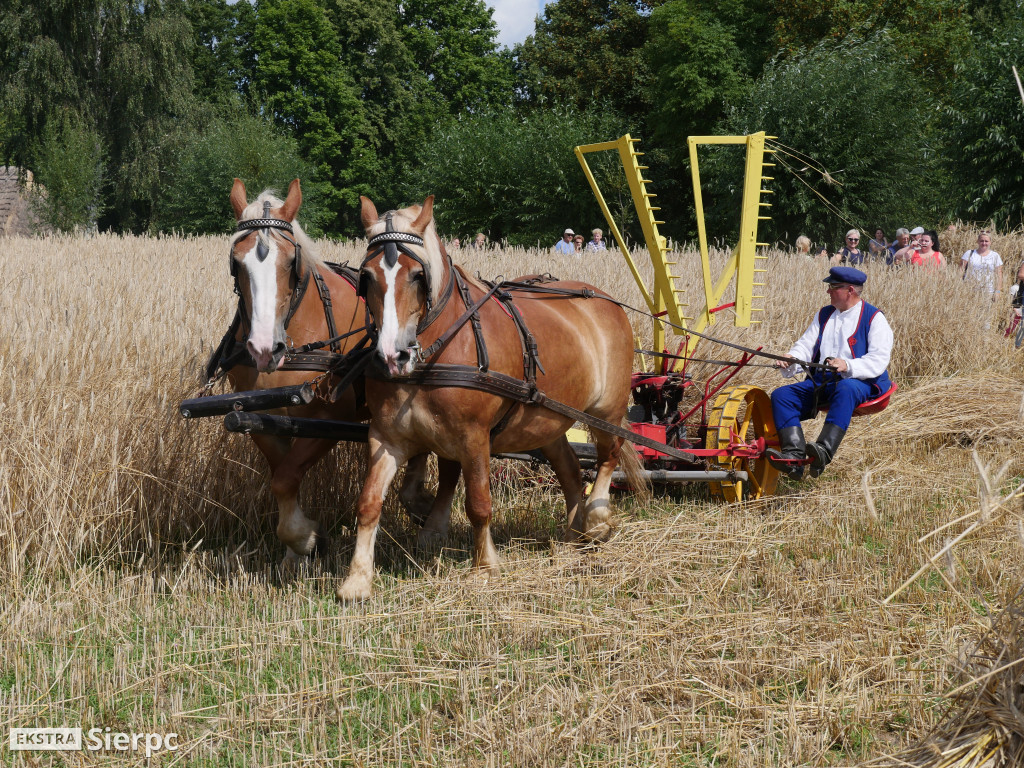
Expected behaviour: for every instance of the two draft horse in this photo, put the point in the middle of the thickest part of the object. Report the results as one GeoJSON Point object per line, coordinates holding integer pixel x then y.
{"type": "Point", "coordinates": [296, 317]}
{"type": "Point", "coordinates": [420, 302]}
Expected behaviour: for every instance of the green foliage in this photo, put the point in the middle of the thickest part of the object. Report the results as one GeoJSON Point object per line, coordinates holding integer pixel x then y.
{"type": "Point", "coordinates": [195, 198]}
{"type": "Point", "coordinates": [453, 46]}
{"type": "Point", "coordinates": [517, 178]}
{"type": "Point", "coordinates": [222, 53]}
{"type": "Point", "coordinates": [929, 34]}
{"type": "Point", "coordinates": [697, 70]}
{"type": "Point", "coordinates": [588, 54]}
{"type": "Point", "coordinates": [69, 171]}
{"type": "Point", "coordinates": [985, 129]}
{"type": "Point", "coordinates": [306, 89]}
{"type": "Point", "coordinates": [846, 109]}
{"type": "Point", "coordinates": [121, 66]}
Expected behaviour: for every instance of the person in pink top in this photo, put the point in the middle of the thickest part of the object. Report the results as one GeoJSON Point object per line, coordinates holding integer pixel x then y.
{"type": "Point", "coordinates": [927, 253]}
{"type": "Point", "coordinates": [922, 251]}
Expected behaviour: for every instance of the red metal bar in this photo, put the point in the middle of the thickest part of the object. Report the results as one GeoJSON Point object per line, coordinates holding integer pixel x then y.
{"type": "Point", "coordinates": [746, 358]}
{"type": "Point", "coordinates": [724, 306]}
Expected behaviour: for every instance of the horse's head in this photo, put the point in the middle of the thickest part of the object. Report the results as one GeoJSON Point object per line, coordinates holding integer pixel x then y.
{"type": "Point", "coordinates": [266, 261]}
{"type": "Point", "coordinates": [401, 279]}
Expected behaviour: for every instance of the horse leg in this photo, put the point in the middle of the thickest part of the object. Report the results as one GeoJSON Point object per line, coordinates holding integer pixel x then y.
{"type": "Point", "coordinates": [296, 531]}
{"type": "Point", "coordinates": [477, 471]}
{"type": "Point", "coordinates": [596, 524]}
{"type": "Point", "coordinates": [384, 461]}
{"type": "Point", "coordinates": [435, 529]}
{"type": "Point", "coordinates": [413, 494]}
{"type": "Point", "coordinates": [566, 465]}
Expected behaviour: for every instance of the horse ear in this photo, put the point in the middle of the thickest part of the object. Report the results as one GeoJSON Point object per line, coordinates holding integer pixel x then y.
{"type": "Point", "coordinates": [426, 214]}
{"type": "Point", "coordinates": [292, 202]}
{"type": "Point", "coordinates": [238, 199]}
{"type": "Point", "coordinates": [367, 212]}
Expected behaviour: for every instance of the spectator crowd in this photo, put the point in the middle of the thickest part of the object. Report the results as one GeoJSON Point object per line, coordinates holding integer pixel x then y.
{"type": "Point", "coordinates": [920, 247]}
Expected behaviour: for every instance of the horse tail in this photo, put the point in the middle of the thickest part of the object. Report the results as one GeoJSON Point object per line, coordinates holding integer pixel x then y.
{"type": "Point", "coordinates": [629, 461]}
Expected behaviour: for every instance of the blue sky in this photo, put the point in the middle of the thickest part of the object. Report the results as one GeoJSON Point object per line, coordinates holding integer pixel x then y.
{"type": "Point", "coordinates": [514, 19]}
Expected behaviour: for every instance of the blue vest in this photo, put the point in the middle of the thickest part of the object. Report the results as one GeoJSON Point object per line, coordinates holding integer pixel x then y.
{"type": "Point", "coordinates": [858, 342]}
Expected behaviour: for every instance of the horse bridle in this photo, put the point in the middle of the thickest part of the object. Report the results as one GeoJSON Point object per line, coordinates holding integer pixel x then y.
{"type": "Point", "coordinates": [264, 225]}
{"type": "Point", "coordinates": [390, 242]}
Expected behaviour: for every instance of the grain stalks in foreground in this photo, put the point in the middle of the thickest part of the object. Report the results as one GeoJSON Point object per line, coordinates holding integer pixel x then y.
{"type": "Point", "coordinates": [138, 557]}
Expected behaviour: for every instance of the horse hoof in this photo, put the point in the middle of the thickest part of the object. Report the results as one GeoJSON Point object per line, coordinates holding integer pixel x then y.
{"type": "Point", "coordinates": [352, 591]}
{"type": "Point", "coordinates": [598, 533]}
{"type": "Point", "coordinates": [429, 541]}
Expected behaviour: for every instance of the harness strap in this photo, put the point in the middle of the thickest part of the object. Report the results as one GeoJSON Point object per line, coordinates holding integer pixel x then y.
{"type": "Point", "coordinates": [467, 377]}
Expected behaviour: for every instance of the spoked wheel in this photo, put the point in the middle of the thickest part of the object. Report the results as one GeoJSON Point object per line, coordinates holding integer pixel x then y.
{"type": "Point", "coordinates": [745, 411]}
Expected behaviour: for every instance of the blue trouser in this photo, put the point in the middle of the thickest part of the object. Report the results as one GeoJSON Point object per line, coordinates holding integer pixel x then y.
{"type": "Point", "coordinates": [793, 403]}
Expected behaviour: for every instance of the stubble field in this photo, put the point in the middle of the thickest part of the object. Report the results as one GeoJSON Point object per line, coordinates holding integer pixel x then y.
{"type": "Point", "coordinates": [141, 591]}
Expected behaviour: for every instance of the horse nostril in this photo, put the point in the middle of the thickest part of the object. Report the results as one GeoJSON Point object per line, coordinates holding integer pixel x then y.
{"type": "Point", "coordinates": [403, 357]}
{"type": "Point", "coordinates": [278, 350]}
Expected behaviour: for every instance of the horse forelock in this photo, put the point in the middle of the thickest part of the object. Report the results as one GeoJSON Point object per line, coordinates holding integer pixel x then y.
{"type": "Point", "coordinates": [402, 221]}
{"type": "Point", "coordinates": [254, 210]}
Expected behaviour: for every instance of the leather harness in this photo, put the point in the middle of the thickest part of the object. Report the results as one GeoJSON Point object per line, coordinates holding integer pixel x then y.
{"type": "Point", "coordinates": [523, 391]}
{"type": "Point", "coordinates": [308, 357]}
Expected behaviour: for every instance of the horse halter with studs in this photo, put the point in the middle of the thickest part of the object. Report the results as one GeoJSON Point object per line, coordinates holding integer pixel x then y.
{"type": "Point", "coordinates": [390, 243]}
{"type": "Point", "coordinates": [265, 224]}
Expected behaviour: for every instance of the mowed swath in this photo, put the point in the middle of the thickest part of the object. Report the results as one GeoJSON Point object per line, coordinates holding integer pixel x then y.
{"type": "Point", "coordinates": [137, 552]}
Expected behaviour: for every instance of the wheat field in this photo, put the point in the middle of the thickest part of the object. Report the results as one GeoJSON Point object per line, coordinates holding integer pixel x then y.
{"type": "Point", "coordinates": [139, 561]}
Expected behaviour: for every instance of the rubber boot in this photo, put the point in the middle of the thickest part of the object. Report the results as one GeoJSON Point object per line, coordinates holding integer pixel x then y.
{"type": "Point", "coordinates": [791, 446]}
{"type": "Point", "coordinates": [822, 450]}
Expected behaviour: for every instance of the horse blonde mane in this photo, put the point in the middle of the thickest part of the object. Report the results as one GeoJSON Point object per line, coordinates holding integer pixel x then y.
{"type": "Point", "coordinates": [402, 221]}
{"type": "Point", "coordinates": [254, 210]}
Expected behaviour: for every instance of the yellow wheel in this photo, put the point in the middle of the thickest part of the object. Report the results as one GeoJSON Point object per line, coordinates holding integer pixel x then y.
{"type": "Point", "coordinates": [745, 411]}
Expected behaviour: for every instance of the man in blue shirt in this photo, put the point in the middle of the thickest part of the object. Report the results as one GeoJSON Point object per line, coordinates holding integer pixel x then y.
{"type": "Point", "coordinates": [565, 244]}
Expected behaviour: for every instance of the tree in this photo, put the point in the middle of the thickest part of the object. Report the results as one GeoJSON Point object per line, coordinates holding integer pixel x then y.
{"type": "Point", "coordinates": [841, 108]}
{"type": "Point", "coordinates": [929, 34]}
{"type": "Point", "coordinates": [195, 198]}
{"type": "Point", "coordinates": [222, 53]}
{"type": "Point", "coordinates": [697, 70]}
{"type": "Point", "coordinates": [69, 167]}
{"type": "Point", "coordinates": [588, 54]}
{"type": "Point", "coordinates": [985, 129]}
{"type": "Point", "coordinates": [516, 178]}
{"type": "Point", "coordinates": [114, 68]}
{"type": "Point", "coordinates": [301, 81]}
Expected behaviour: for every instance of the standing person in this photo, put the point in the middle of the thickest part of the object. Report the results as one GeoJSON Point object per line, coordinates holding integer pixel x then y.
{"type": "Point", "coordinates": [455, 245]}
{"type": "Point", "coordinates": [850, 253]}
{"type": "Point", "coordinates": [480, 241]}
{"type": "Point", "coordinates": [1016, 303]}
{"type": "Point", "coordinates": [596, 241]}
{"type": "Point", "coordinates": [565, 244]}
{"type": "Point", "coordinates": [902, 241]}
{"type": "Point", "coordinates": [577, 244]}
{"type": "Point", "coordinates": [878, 245]}
{"type": "Point", "coordinates": [922, 252]}
{"type": "Point", "coordinates": [984, 265]}
{"type": "Point", "coordinates": [854, 338]}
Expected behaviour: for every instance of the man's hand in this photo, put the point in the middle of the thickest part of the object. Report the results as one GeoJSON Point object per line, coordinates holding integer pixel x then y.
{"type": "Point", "coordinates": [783, 363]}
{"type": "Point", "coordinates": [838, 363]}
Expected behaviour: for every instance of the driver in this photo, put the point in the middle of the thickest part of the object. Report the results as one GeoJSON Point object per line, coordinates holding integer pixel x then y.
{"type": "Point", "coordinates": [855, 339]}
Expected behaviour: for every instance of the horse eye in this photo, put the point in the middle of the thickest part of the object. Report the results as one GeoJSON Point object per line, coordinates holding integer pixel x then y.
{"type": "Point", "coordinates": [419, 276]}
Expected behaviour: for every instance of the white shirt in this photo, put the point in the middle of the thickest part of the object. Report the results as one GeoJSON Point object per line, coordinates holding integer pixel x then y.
{"type": "Point", "coordinates": [835, 342]}
{"type": "Point", "coordinates": [982, 268]}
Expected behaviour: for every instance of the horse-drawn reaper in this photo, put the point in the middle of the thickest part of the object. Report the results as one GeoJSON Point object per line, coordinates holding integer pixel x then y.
{"type": "Point", "coordinates": [469, 369]}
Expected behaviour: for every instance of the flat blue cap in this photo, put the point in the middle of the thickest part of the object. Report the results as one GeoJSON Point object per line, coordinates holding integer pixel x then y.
{"type": "Point", "coordinates": [847, 275]}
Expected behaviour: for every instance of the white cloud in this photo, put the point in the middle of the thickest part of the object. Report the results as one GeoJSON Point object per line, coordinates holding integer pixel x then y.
{"type": "Point", "coordinates": [514, 19]}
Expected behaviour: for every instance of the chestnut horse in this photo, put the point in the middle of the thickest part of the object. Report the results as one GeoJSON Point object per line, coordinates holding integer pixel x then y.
{"type": "Point", "coordinates": [585, 348]}
{"type": "Point", "coordinates": [281, 285]}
